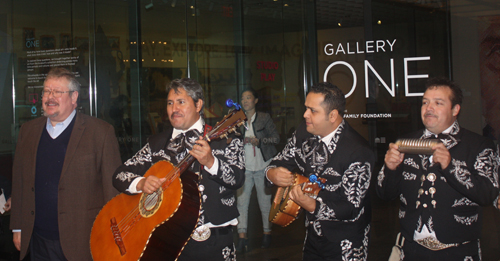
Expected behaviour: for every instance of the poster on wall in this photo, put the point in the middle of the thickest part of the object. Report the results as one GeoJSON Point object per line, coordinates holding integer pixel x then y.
{"type": "Point", "coordinates": [382, 76]}
{"type": "Point", "coordinates": [38, 56]}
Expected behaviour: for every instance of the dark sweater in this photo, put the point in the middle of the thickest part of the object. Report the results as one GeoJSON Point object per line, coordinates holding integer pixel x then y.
{"type": "Point", "coordinates": [49, 164]}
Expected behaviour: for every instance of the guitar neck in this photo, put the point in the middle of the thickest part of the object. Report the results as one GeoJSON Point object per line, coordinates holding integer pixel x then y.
{"type": "Point", "coordinates": [182, 166]}
{"type": "Point", "coordinates": [310, 189]}
{"type": "Point", "coordinates": [227, 125]}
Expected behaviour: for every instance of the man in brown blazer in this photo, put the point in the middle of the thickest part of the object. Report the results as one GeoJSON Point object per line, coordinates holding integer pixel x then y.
{"type": "Point", "coordinates": [62, 175]}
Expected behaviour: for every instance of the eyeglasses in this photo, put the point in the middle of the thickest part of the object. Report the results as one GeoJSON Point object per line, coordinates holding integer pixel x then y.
{"type": "Point", "coordinates": [56, 94]}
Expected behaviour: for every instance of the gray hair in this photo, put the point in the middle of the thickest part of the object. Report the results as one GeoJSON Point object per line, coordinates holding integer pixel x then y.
{"type": "Point", "coordinates": [59, 72]}
{"type": "Point", "coordinates": [192, 88]}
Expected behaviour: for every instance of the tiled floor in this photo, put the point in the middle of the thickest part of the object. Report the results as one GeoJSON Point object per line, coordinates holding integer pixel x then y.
{"type": "Point", "coordinates": [287, 242]}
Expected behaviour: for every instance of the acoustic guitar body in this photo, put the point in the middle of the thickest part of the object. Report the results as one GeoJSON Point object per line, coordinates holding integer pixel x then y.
{"type": "Point", "coordinates": [276, 215]}
{"type": "Point", "coordinates": [138, 227]}
{"type": "Point", "coordinates": [283, 210]}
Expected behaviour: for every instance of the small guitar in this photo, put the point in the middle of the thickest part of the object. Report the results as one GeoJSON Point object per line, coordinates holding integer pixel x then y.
{"type": "Point", "coordinates": [155, 226]}
{"type": "Point", "coordinates": [284, 210]}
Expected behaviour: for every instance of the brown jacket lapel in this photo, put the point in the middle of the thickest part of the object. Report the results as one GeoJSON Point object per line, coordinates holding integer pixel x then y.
{"type": "Point", "coordinates": [76, 136]}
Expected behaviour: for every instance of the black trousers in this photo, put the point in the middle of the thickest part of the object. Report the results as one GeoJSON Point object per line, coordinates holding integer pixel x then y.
{"type": "Point", "coordinates": [219, 246]}
{"type": "Point", "coordinates": [415, 252]}
{"type": "Point", "coordinates": [45, 249]}
{"type": "Point", "coordinates": [319, 248]}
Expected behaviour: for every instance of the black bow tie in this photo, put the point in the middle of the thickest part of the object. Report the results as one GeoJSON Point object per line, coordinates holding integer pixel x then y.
{"type": "Point", "coordinates": [442, 136]}
{"type": "Point", "coordinates": [315, 150]}
{"type": "Point", "coordinates": [184, 141]}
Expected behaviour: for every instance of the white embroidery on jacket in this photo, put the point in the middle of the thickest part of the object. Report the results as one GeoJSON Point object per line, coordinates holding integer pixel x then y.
{"type": "Point", "coordinates": [461, 173]}
{"type": "Point", "coordinates": [143, 155]}
{"type": "Point", "coordinates": [126, 176]}
{"type": "Point", "coordinates": [356, 181]}
{"type": "Point", "coordinates": [487, 165]}
{"type": "Point", "coordinates": [409, 176]}
{"type": "Point", "coordinates": [464, 202]}
{"type": "Point", "coordinates": [466, 220]}
{"type": "Point", "coordinates": [411, 162]}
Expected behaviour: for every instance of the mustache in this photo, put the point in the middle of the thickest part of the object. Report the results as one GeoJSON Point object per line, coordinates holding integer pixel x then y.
{"type": "Point", "coordinates": [429, 114]}
{"type": "Point", "coordinates": [175, 114]}
{"type": "Point", "coordinates": [51, 101]}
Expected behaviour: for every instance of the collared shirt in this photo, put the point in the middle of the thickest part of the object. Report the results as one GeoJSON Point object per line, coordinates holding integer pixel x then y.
{"type": "Point", "coordinates": [55, 131]}
{"type": "Point", "coordinates": [428, 133]}
{"type": "Point", "coordinates": [328, 138]}
{"type": "Point", "coordinates": [198, 125]}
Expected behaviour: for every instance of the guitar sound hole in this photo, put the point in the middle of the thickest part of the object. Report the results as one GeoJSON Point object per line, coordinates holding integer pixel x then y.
{"type": "Point", "coordinates": [149, 204]}
{"type": "Point", "coordinates": [151, 201]}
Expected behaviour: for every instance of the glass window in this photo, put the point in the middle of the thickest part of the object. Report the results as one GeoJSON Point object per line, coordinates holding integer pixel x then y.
{"type": "Point", "coordinates": [380, 53]}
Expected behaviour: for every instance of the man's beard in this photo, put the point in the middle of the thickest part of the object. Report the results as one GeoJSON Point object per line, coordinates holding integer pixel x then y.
{"type": "Point", "coordinates": [50, 116]}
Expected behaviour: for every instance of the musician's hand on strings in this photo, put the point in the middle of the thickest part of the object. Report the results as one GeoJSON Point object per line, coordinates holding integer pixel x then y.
{"type": "Point", "coordinates": [280, 176]}
{"type": "Point", "coordinates": [302, 199]}
{"type": "Point", "coordinates": [441, 155]}
{"type": "Point", "coordinates": [203, 153]}
{"type": "Point", "coordinates": [393, 157]}
{"type": "Point", "coordinates": [150, 184]}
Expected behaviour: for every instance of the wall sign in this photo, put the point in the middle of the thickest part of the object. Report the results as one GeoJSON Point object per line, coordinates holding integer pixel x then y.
{"type": "Point", "coordinates": [267, 65]}
{"type": "Point", "coordinates": [373, 47]}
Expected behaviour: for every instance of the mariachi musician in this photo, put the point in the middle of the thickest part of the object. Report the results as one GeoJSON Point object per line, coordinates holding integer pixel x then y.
{"type": "Point", "coordinates": [220, 166]}
{"type": "Point", "coordinates": [338, 220]}
{"type": "Point", "coordinates": [441, 192]}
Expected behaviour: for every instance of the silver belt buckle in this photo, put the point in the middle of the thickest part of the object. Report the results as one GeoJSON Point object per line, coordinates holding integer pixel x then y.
{"type": "Point", "coordinates": [201, 233]}
{"type": "Point", "coordinates": [434, 244]}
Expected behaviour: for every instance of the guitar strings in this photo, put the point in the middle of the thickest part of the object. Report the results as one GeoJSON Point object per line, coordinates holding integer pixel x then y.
{"type": "Point", "coordinates": [128, 221]}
